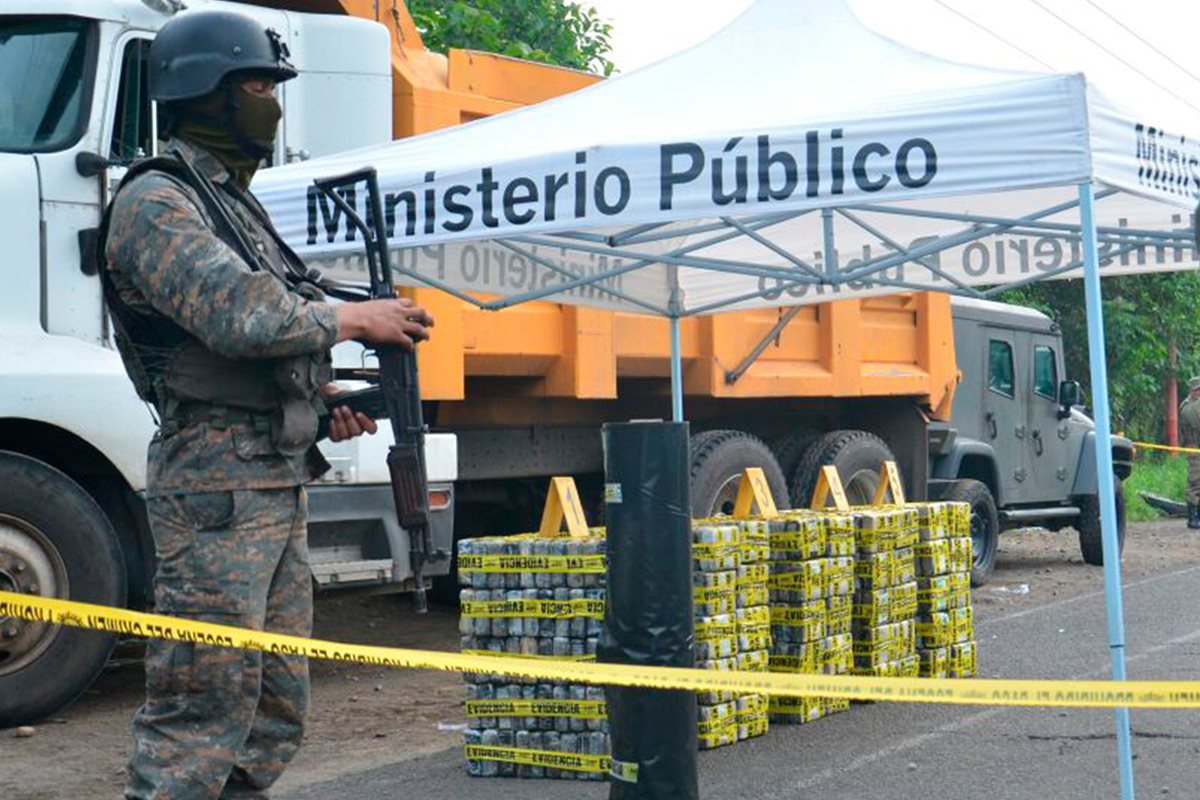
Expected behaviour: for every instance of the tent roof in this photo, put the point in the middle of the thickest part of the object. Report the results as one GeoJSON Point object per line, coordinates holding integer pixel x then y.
{"type": "Point", "coordinates": [795, 106]}
{"type": "Point", "coordinates": [778, 63]}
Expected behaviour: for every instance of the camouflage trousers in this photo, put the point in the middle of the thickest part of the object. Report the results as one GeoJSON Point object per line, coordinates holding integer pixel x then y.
{"type": "Point", "coordinates": [218, 722]}
{"type": "Point", "coordinates": [1193, 480]}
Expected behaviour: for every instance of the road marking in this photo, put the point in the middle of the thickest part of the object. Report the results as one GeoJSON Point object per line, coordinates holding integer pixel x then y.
{"type": "Point", "coordinates": [975, 718]}
{"type": "Point", "coordinates": [893, 749]}
{"type": "Point", "coordinates": [987, 623]}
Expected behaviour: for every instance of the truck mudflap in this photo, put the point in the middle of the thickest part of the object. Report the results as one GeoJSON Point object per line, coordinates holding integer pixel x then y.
{"type": "Point", "coordinates": [1085, 477]}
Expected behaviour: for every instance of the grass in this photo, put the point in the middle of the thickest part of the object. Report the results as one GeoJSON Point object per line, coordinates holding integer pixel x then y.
{"type": "Point", "coordinates": [1157, 474]}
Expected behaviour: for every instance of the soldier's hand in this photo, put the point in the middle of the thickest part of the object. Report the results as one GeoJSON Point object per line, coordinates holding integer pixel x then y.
{"type": "Point", "coordinates": [344, 423]}
{"type": "Point", "coordinates": [392, 321]}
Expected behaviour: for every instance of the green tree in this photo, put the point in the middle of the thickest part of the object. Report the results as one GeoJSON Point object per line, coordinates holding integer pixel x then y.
{"type": "Point", "coordinates": [550, 31]}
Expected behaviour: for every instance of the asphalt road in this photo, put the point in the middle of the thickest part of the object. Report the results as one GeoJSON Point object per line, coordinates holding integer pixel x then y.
{"type": "Point", "coordinates": [886, 752]}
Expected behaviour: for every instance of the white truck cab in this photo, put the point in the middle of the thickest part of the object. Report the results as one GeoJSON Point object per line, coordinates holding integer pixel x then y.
{"type": "Point", "coordinates": [74, 107]}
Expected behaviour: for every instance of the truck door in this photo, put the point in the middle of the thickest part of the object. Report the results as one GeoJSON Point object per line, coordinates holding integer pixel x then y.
{"type": "Point", "coordinates": [1004, 424]}
{"type": "Point", "coordinates": [1047, 440]}
{"type": "Point", "coordinates": [55, 85]}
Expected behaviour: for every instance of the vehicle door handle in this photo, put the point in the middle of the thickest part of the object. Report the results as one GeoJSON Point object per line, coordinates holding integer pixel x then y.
{"type": "Point", "coordinates": [1039, 447]}
{"type": "Point", "coordinates": [993, 431]}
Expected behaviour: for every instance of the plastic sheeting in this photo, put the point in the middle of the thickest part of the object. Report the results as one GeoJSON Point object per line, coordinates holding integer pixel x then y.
{"type": "Point", "coordinates": [648, 620]}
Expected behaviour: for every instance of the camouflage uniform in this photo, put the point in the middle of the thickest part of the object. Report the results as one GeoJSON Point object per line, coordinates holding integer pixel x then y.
{"type": "Point", "coordinates": [1189, 436]}
{"type": "Point", "coordinates": [227, 508]}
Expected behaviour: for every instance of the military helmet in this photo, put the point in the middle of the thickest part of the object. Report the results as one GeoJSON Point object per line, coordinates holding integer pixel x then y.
{"type": "Point", "coordinates": [195, 51]}
{"type": "Point", "coordinates": [1194, 384]}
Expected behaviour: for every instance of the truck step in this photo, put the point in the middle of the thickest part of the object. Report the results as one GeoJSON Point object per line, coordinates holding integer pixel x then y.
{"type": "Point", "coordinates": [1034, 514]}
{"type": "Point", "coordinates": [334, 573]}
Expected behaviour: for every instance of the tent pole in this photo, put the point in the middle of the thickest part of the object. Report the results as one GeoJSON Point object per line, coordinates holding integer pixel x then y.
{"type": "Point", "coordinates": [830, 256]}
{"type": "Point", "coordinates": [1105, 484]}
{"type": "Point", "coordinates": [676, 372]}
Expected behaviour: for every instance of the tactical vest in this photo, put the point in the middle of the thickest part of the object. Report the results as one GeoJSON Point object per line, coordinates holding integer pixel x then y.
{"type": "Point", "coordinates": [179, 376]}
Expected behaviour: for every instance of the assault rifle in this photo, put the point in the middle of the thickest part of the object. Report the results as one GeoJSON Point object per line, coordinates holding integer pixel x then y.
{"type": "Point", "coordinates": [401, 394]}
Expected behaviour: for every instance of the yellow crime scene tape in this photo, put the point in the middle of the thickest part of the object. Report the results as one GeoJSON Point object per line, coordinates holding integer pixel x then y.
{"type": "Point", "coordinates": [975, 691]}
{"type": "Point", "coordinates": [1166, 448]}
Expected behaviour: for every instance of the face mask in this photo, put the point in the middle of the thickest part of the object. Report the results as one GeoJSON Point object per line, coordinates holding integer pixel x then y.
{"type": "Point", "coordinates": [257, 119]}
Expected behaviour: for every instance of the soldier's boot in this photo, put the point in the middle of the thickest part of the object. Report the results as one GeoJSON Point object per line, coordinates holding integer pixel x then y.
{"type": "Point", "coordinates": [1193, 517]}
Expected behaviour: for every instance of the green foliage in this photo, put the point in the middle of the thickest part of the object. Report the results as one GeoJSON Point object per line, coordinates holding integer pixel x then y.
{"type": "Point", "coordinates": [1160, 475]}
{"type": "Point", "coordinates": [550, 31]}
{"type": "Point", "coordinates": [1142, 315]}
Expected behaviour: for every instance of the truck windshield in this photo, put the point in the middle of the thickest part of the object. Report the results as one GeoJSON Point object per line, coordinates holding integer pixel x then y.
{"type": "Point", "coordinates": [43, 65]}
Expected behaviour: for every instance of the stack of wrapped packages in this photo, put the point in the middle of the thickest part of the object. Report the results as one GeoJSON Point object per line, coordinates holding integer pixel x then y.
{"type": "Point", "coordinates": [838, 653]}
{"type": "Point", "coordinates": [810, 591]}
{"type": "Point", "coordinates": [753, 619]}
{"type": "Point", "coordinates": [716, 555]}
{"type": "Point", "coordinates": [945, 617]}
{"type": "Point", "coordinates": [885, 592]}
{"type": "Point", "coordinates": [882, 591]}
{"type": "Point", "coordinates": [533, 597]}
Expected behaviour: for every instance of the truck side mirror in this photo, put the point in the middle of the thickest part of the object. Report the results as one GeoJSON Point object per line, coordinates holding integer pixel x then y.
{"type": "Point", "coordinates": [1068, 397]}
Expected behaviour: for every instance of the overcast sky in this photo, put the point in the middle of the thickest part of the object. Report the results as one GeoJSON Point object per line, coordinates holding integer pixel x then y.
{"type": "Point", "coordinates": [1092, 36]}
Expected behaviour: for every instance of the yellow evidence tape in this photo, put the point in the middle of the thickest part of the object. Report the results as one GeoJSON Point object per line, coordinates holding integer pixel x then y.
{"type": "Point", "coordinates": [976, 691]}
{"type": "Point", "coordinates": [583, 564]}
{"type": "Point", "coordinates": [544, 609]}
{"type": "Point", "coordinates": [577, 762]}
{"type": "Point", "coordinates": [578, 709]}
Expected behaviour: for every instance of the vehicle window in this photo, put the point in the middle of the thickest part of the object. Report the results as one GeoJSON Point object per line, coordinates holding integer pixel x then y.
{"type": "Point", "coordinates": [1000, 367]}
{"type": "Point", "coordinates": [1045, 373]}
{"type": "Point", "coordinates": [132, 130]}
{"type": "Point", "coordinates": [45, 63]}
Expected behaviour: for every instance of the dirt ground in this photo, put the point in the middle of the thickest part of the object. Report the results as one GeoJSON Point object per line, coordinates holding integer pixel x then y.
{"type": "Point", "coordinates": [364, 717]}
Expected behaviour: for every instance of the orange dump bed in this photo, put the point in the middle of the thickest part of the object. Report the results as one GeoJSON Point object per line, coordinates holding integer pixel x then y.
{"type": "Point", "coordinates": [878, 347]}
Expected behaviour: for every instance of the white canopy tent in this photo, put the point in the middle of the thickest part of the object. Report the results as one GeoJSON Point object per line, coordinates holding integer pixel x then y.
{"type": "Point", "coordinates": [690, 184]}
{"type": "Point", "coordinates": [793, 157]}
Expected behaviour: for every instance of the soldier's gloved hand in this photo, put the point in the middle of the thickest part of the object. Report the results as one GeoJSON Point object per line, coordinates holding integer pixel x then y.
{"type": "Point", "coordinates": [393, 321]}
{"type": "Point", "coordinates": [344, 423]}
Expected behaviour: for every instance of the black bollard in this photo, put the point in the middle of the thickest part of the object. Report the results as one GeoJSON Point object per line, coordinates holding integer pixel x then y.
{"type": "Point", "coordinates": [648, 618]}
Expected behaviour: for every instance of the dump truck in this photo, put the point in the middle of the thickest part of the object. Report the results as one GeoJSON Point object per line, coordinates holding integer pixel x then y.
{"type": "Point", "coordinates": [968, 397]}
{"type": "Point", "coordinates": [511, 398]}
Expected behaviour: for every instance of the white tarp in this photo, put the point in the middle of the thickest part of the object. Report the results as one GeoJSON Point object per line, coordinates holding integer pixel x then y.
{"type": "Point", "coordinates": [733, 148]}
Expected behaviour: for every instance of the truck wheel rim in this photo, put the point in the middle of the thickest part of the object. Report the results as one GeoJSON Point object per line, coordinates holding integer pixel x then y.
{"type": "Point", "coordinates": [29, 564]}
{"type": "Point", "coordinates": [978, 537]}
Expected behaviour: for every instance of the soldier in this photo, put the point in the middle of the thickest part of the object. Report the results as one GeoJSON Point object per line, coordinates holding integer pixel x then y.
{"type": "Point", "coordinates": [1189, 436]}
{"type": "Point", "coordinates": [225, 332]}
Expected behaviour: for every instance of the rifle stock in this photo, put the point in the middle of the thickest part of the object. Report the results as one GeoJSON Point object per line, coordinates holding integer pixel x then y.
{"type": "Point", "coordinates": [398, 380]}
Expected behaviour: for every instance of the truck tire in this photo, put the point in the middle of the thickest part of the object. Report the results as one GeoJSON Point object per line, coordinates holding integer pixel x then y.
{"type": "Point", "coordinates": [1088, 525]}
{"type": "Point", "coordinates": [54, 541]}
{"type": "Point", "coordinates": [718, 459]}
{"type": "Point", "coordinates": [789, 449]}
{"type": "Point", "coordinates": [985, 525]}
{"type": "Point", "coordinates": [857, 456]}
